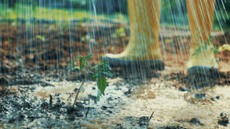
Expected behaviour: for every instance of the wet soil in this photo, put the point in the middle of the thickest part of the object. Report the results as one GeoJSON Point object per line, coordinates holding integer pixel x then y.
{"type": "Point", "coordinates": [36, 87]}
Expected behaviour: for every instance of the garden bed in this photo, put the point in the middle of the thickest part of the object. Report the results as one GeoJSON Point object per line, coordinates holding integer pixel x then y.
{"type": "Point", "coordinates": [33, 72]}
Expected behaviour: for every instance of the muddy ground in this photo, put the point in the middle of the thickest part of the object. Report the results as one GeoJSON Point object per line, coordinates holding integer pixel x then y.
{"type": "Point", "coordinates": [33, 62]}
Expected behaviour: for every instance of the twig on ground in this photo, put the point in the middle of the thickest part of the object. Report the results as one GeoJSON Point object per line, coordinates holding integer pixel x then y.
{"type": "Point", "coordinates": [51, 100]}
{"type": "Point", "coordinates": [87, 112]}
{"type": "Point", "coordinates": [151, 116]}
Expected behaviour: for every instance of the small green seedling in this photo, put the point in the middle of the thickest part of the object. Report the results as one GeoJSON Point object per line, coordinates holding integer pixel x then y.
{"type": "Point", "coordinates": [100, 71]}
{"type": "Point", "coordinates": [204, 47]}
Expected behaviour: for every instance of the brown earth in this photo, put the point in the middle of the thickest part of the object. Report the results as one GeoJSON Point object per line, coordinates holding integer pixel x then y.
{"type": "Point", "coordinates": [49, 48]}
{"type": "Point", "coordinates": [45, 51]}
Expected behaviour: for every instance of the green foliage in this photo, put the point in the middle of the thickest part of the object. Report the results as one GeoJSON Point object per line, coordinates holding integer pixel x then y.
{"type": "Point", "coordinates": [99, 72]}
{"type": "Point", "coordinates": [204, 48]}
{"type": "Point", "coordinates": [169, 4]}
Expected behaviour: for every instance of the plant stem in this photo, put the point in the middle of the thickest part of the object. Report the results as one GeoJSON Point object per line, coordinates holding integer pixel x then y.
{"type": "Point", "coordinates": [80, 87]}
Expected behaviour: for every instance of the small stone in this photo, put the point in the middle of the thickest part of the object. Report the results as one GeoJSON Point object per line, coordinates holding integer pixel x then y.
{"type": "Point", "coordinates": [127, 92]}
{"type": "Point", "coordinates": [223, 120]}
{"type": "Point", "coordinates": [195, 121]}
{"type": "Point", "coordinates": [110, 111]}
{"type": "Point", "coordinates": [76, 90]}
{"type": "Point", "coordinates": [104, 107]}
{"type": "Point", "coordinates": [57, 94]}
{"type": "Point", "coordinates": [45, 105]}
{"type": "Point", "coordinates": [181, 89]}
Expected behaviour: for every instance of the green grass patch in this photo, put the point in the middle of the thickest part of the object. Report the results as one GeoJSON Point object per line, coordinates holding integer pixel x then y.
{"type": "Point", "coordinates": [29, 11]}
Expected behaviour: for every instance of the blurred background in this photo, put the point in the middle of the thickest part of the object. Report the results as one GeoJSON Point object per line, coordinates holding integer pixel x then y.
{"type": "Point", "coordinates": [173, 11]}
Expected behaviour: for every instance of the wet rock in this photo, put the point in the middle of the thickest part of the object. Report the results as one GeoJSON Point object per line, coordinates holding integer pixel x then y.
{"type": "Point", "coordinates": [104, 107]}
{"type": "Point", "coordinates": [76, 90]}
{"type": "Point", "coordinates": [128, 92]}
{"type": "Point", "coordinates": [200, 96]}
{"type": "Point", "coordinates": [45, 105]}
{"type": "Point", "coordinates": [57, 94]}
{"type": "Point", "coordinates": [110, 98]}
{"type": "Point", "coordinates": [144, 120]}
{"type": "Point", "coordinates": [223, 120]}
{"type": "Point", "coordinates": [44, 84]}
{"type": "Point", "coordinates": [195, 121]}
{"type": "Point", "coordinates": [215, 98]}
{"type": "Point", "coordinates": [181, 89]}
{"type": "Point", "coordinates": [110, 111]}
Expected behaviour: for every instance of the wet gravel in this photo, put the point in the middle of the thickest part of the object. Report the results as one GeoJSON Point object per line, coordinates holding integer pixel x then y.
{"type": "Point", "coordinates": [25, 109]}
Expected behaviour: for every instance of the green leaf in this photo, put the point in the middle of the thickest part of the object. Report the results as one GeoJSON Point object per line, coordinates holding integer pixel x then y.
{"type": "Point", "coordinates": [95, 75]}
{"type": "Point", "coordinates": [89, 56]}
{"type": "Point", "coordinates": [82, 62]}
{"type": "Point", "coordinates": [217, 60]}
{"type": "Point", "coordinates": [107, 65]}
{"type": "Point", "coordinates": [87, 62]}
{"type": "Point", "coordinates": [101, 83]}
{"type": "Point", "coordinates": [72, 62]}
{"type": "Point", "coordinates": [210, 40]}
{"type": "Point", "coordinates": [70, 65]}
{"type": "Point", "coordinates": [101, 60]}
{"type": "Point", "coordinates": [77, 57]}
{"type": "Point", "coordinates": [108, 73]}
